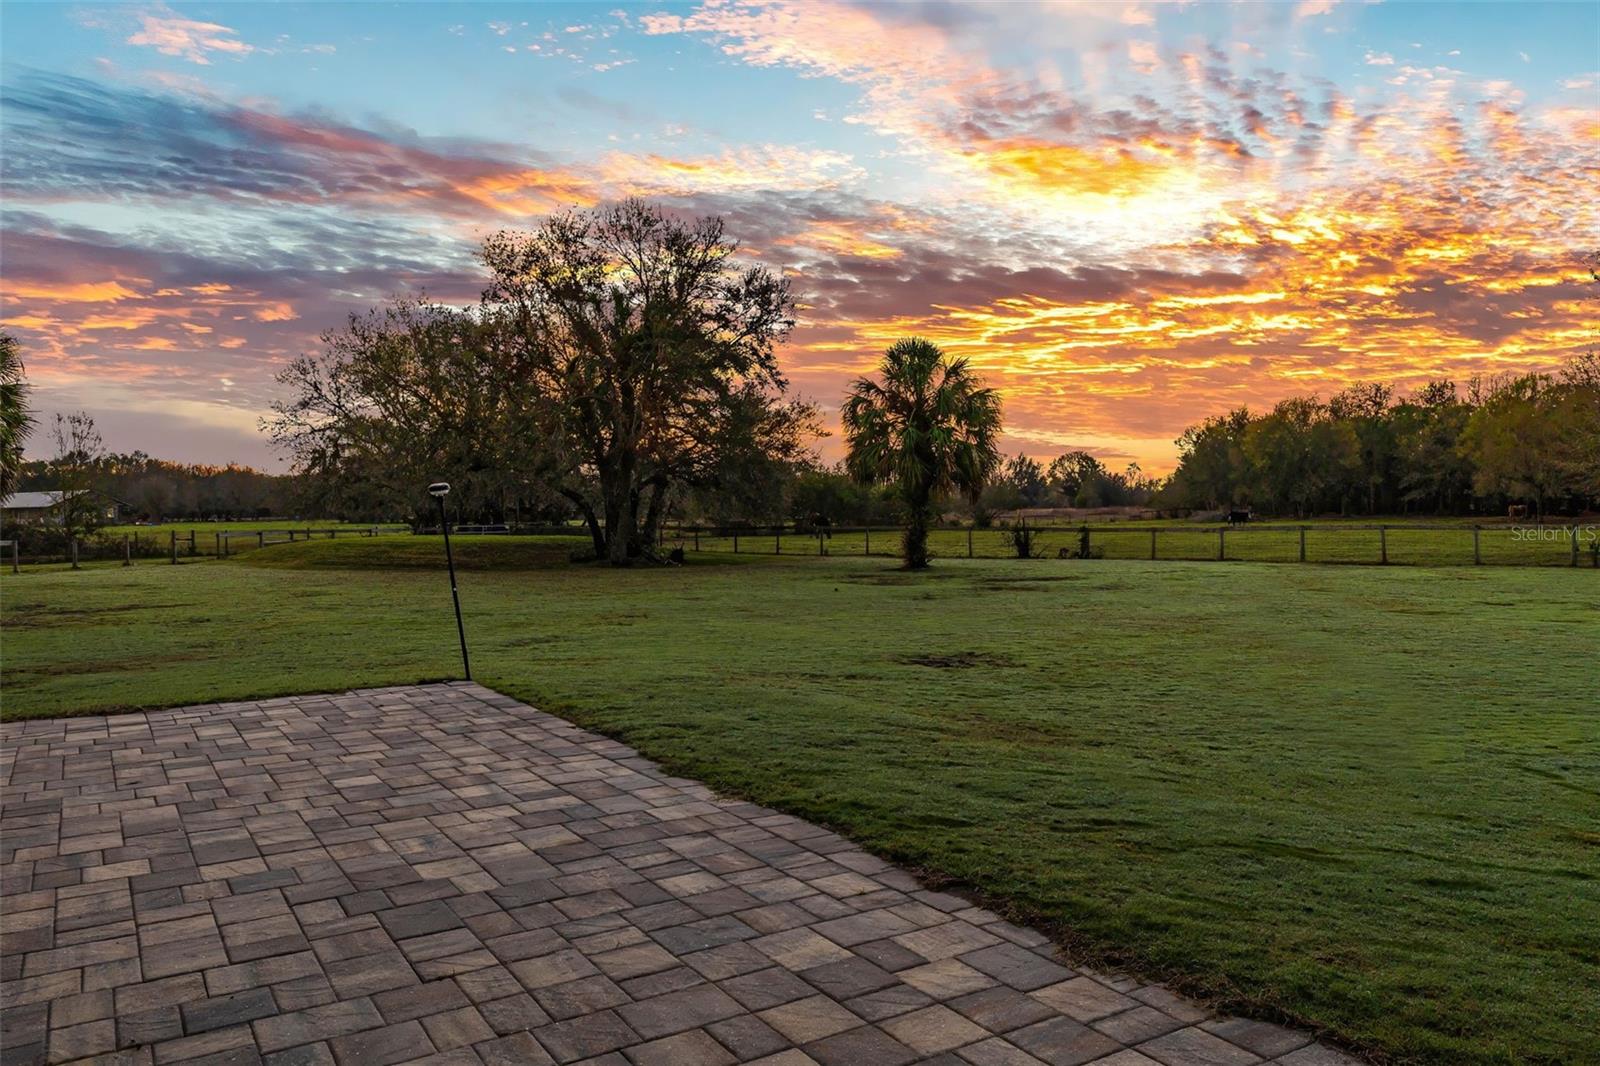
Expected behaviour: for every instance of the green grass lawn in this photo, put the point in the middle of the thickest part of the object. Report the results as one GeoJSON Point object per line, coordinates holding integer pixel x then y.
{"type": "Point", "coordinates": [1364, 799]}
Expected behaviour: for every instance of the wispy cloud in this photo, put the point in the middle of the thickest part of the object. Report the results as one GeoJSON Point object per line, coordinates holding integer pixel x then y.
{"type": "Point", "coordinates": [172, 34]}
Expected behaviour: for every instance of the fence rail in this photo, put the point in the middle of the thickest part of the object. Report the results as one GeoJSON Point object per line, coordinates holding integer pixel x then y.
{"type": "Point", "coordinates": [175, 545]}
{"type": "Point", "coordinates": [1380, 544]}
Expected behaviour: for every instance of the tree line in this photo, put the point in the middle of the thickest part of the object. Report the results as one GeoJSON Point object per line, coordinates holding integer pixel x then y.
{"type": "Point", "coordinates": [1529, 439]}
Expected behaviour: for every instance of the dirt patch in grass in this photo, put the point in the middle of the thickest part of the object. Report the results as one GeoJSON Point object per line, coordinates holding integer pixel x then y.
{"type": "Point", "coordinates": [956, 660]}
{"type": "Point", "coordinates": [43, 616]}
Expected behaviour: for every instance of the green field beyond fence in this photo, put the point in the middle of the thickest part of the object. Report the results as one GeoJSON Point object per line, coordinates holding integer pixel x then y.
{"type": "Point", "coordinates": [1397, 544]}
{"type": "Point", "coordinates": [128, 544]}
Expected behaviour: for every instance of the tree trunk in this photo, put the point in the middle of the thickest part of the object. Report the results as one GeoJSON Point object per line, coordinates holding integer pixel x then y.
{"type": "Point", "coordinates": [597, 532]}
{"type": "Point", "coordinates": [915, 544]}
{"type": "Point", "coordinates": [622, 525]}
{"type": "Point", "coordinates": [653, 513]}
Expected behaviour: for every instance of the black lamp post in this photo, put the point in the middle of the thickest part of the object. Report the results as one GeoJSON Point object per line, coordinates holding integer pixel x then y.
{"type": "Point", "coordinates": [439, 490]}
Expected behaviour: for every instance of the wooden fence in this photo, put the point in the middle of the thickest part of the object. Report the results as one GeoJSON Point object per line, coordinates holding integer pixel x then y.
{"type": "Point", "coordinates": [175, 545]}
{"type": "Point", "coordinates": [1379, 544]}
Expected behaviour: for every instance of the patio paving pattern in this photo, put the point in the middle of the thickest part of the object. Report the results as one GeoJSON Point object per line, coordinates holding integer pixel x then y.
{"type": "Point", "coordinates": [441, 874]}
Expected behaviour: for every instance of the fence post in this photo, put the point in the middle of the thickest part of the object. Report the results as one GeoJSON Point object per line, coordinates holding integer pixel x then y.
{"type": "Point", "coordinates": [867, 549]}
{"type": "Point", "coordinates": [697, 539]}
{"type": "Point", "coordinates": [1477, 552]}
{"type": "Point", "coordinates": [74, 541]}
{"type": "Point", "coordinates": [777, 543]}
{"type": "Point", "coordinates": [1152, 544]}
{"type": "Point", "coordinates": [1383, 545]}
{"type": "Point", "coordinates": [127, 551]}
{"type": "Point", "coordinates": [16, 556]}
{"type": "Point", "coordinates": [261, 538]}
{"type": "Point", "coordinates": [1222, 550]}
{"type": "Point", "coordinates": [1574, 545]}
{"type": "Point", "coordinates": [736, 542]}
{"type": "Point", "coordinates": [174, 534]}
{"type": "Point", "coordinates": [969, 542]}
{"type": "Point", "coordinates": [1302, 544]}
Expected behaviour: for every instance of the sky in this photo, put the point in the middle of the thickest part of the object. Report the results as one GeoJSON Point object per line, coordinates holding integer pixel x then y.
{"type": "Point", "coordinates": [1128, 216]}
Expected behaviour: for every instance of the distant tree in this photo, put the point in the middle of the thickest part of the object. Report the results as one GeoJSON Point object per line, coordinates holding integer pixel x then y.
{"type": "Point", "coordinates": [1514, 443]}
{"type": "Point", "coordinates": [1297, 453]}
{"type": "Point", "coordinates": [1364, 407]}
{"type": "Point", "coordinates": [1082, 480]}
{"type": "Point", "coordinates": [76, 471]}
{"type": "Point", "coordinates": [1577, 413]}
{"type": "Point", "coordinates": [1427, 430]}
{"type": "Point", "coordinates": [1440, 393]}
{"type": "Point", "coordinates": [649, 352]}
{"type": "Point", "coordinates": [1213, 470]}
{"type": "Point", "coordinates": [1027, 477]}
{"type": "Point", "coordinates": [928, 427]}
{"type": "Point", "coordinates": [16, 413]}
{"type": "Point", "coordinates": [830, 495]}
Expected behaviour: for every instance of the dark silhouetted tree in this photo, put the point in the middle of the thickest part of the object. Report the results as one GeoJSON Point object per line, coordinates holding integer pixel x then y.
{"type": "Point", "coordinates": [929, 426]}
{"type": "Point", "coordinates": [650, 351]}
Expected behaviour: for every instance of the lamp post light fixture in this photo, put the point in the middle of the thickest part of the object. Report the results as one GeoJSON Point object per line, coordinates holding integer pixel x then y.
{"type": "Point", "coordinates": [439, 490]}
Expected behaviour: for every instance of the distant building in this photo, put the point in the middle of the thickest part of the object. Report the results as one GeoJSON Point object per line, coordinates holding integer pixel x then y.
{"type": "Point", "coordinates": [42, 508]}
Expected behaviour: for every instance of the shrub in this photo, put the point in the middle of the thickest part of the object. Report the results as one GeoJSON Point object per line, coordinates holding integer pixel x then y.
{"type": "Point", "coordinates": [1022, 537]}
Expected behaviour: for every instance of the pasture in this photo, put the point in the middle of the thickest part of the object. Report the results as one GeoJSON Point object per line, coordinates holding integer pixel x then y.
{"type": "Point", "coordinates": [1357, 798]}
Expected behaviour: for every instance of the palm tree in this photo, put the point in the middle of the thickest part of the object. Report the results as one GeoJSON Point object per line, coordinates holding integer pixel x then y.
{"type": "Point", "coordinates": [930, 427]}
{"type": "Point", "coordinates": [16, 417]}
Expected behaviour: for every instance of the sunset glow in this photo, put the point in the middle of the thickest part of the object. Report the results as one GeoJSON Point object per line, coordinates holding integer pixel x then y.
{"type": "Point", "coordinates": [1128, 216]}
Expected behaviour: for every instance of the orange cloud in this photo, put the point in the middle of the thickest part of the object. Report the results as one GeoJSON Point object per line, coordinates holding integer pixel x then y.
{"type": "Point", "coordinates": [71, 292]}
{"type": "Point", "coordinates": [1107, 171]}
{"type": "Point", "coordinates": [276, 312]}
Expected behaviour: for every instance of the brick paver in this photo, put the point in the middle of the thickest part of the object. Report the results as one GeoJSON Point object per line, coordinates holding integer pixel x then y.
{"type": "Point", "coordinates": [441, 874]}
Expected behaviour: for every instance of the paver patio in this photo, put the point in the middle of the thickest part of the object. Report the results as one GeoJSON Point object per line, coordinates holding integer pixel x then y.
{"type": "Point", "coordinates": [441, 874]}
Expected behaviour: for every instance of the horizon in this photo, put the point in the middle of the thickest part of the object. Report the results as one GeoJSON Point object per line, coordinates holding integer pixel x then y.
{"type": "Point", "coordinates": [1128, 216]}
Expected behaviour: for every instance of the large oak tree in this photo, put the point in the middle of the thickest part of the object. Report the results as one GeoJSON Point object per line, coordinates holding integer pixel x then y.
{"type": "Point", "coordinates": [652, 353]}
{"type": "Point", "coordinates": [617, 355]}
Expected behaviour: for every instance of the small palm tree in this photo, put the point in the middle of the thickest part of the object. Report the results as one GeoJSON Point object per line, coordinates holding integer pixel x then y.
{"type": "Point", "coordinates": [929, 427]}
{"type": "Point", "coordinates": [16, 416]}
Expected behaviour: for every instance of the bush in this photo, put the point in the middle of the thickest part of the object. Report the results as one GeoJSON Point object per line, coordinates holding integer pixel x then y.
{"type": "Point", "coordinates": [1021, 536]}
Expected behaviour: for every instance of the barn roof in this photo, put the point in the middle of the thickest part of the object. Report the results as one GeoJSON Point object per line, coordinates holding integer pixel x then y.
{"type": "Point", "coordinates": [30, 501]}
